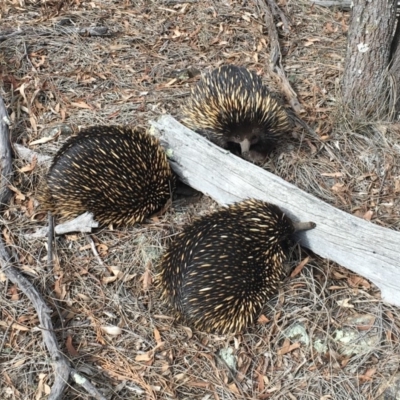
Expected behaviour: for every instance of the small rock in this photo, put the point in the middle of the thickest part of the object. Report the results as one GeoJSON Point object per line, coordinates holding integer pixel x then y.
{"type": "Point", "coordinates": [352, 341]}
{"type": "Point", "coordinates": [320, 346]}
{"type": "Point", "coordinates": [297, 333]}
{"type": "Point", "coordinates": [229, 358]}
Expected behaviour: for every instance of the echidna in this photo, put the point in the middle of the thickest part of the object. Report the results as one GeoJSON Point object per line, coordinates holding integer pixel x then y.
{"type": "Point", "coordinates": [120, 174]}
{"type": "Point", "coordinates": [220, 270]}
{"type": "Point", "coordinates": [231, 105]}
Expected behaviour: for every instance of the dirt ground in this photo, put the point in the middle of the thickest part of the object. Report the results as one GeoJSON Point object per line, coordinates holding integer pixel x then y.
{"type": "Point", "coordinates": [108, 317]}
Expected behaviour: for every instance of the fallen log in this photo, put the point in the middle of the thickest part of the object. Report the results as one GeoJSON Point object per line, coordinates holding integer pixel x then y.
{"type": "Point", "coordinates": [359, 245]}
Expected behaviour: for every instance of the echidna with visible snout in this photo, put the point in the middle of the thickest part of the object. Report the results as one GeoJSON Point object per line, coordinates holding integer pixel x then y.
{"type": "Point", "coordinates": [231, 105]}
{"type": "Point", "coordinates": [120, 174]}
{"type": "Point", "coordinates": [219, 272]}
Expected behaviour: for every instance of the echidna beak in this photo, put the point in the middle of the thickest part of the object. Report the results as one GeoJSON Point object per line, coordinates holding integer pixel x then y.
{"type": "Point", "coordinates": [245, 145]}
{"type": "Point", "coordinates": [304, 226]}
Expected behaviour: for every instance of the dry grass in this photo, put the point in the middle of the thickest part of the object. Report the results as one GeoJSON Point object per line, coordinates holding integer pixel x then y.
{"type": "Point", "coordinates": [52, 77]}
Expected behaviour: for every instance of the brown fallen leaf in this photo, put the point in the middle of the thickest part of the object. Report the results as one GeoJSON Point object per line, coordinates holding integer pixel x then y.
{"type": "Point", "coordinates": [233, 388]}
{"type": "Point", "coordinates": [338, 187]}
{"type": "Point", "coordinates": [147, 280]}
{"type": "Point", "coordinates": [368, 215]}
{"type": "Point", "coordinates": [145, 357]}
{"type": "Point", "coordinates": [368, 375]}
{"type": "Point", "coordinates": [81, 104]}
{"type": "Point", "coordinates": [30, 167]}
{"type": "Point", "coordinates": [299, 268]}
{"type": "Point", "coordinates": [157, 336]}
{"type": "Point", "coordinates": [70, 347]}
{"type": "Point", "coordinates": [13, 291]}
{"type": "Point", "coordinates": [262, 319]}
{"type": "Point", "coordinates": [358, 281]}
{"type": "Point", "coordinates": [287, 347]}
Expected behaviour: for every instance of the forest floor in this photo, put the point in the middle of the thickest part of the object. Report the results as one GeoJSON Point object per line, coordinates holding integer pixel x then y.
{"type": "Point", "coordinates": [326, 335]}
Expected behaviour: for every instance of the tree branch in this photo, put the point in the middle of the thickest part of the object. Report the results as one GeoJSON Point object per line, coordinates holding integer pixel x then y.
{"type": "Point", "coordinates": [275, 65]}
{"type": "Point", "coordinates": [5, 156]}
{"type": "Point", "coordinates": [62, 370]}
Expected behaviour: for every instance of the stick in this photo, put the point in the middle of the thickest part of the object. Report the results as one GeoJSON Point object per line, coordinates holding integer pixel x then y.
{"type": "Point", "coordinates": [82, 381]}
{"type": "Point", "coordinates": [275, 66]}
{"type": "Point", "coordinates": [277, 11]}
{"type": "Point", "coordinates": [61, 366]}
{"type": "Point", "coordinates": [7, 174]}
{"type": "Point", "coordinates": [50, 242]}
{"type": "Point", "coordinates": [365, 248]}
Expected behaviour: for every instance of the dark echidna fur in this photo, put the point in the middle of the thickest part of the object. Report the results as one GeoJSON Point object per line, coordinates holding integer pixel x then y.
{"type": "Point", "coordinates": [231, 99]}
{"type": "Point", "coordinates": [219, 272]}
{"type": "Point", "coordinates": [120, 174]}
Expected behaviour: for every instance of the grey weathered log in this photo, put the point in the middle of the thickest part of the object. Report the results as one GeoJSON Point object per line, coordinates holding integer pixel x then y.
{"type": "Point", "coordinates": [363, 247]}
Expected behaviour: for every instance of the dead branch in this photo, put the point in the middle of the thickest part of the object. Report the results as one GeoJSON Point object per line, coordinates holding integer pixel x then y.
{"type": "Point", "coordinates": [275, 65]}
{"type": "Point", "coordinates": [365, 248]}
{"type": "Point", "coordinates": [5, 156]}
{"type": "Point", "coordinates": [82, 381]}
{"type": "Point", "coordinates": [62, 370]}
{"type": "Point", "coordinates": [60, 364]}
{"type": "Point", "coordinates": [61, 367]}
{"type": "Point", "coordinates": [276, 11]}
{"type": "Point", "coordinates": [50, 242]}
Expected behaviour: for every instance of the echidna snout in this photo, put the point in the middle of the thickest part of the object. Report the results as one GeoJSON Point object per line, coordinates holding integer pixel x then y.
{"type": "Point", "coordinates": [231, 105]}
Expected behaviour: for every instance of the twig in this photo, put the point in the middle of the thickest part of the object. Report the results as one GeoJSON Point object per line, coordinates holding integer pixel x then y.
{"type": "Point", "coordinates": [82, 381]}
{"type": "Point", "coordinates": [60, 364]}
{"type": "Point", "coordinates": [26, 55]}
{"type": "Point", "coordinates": [95, 252]}
{"type": "Point", "coordinates": [277, 11]}
{"type": "Point", "coordinates": [62, 370]}
{"type": "Point", "coordinates": [50, 242]}
{"type": "Point", "coordinates": [5, 156]}
{"type": "Point", "coordinates": [275, 66]}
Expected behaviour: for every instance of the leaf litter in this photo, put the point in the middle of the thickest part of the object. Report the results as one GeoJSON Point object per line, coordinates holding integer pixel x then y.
{"type": "Point", "coordinates": [107, 313]}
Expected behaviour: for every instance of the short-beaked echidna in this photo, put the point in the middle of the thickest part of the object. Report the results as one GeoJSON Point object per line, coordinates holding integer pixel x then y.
{"type": "Point", "coordinates": [219, 272]}
{"type": "Point", "coordinates": [120, 174]}
{"type": "Point", "coordinates": [232, 105]}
